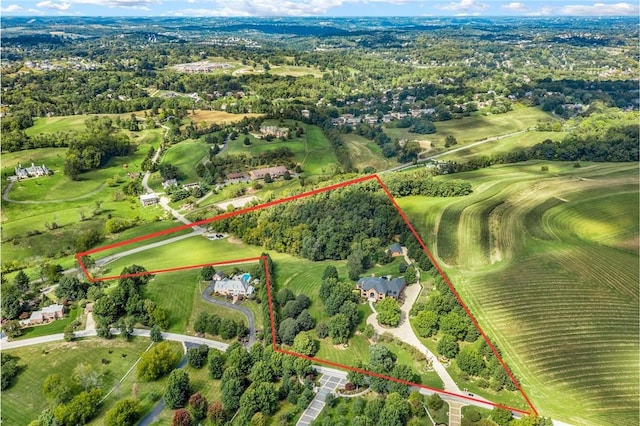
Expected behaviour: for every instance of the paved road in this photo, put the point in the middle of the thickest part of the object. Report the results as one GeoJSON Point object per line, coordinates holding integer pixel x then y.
{"type": "Point", "coordinates": [4, 344]}
{"type": "Point", "coordinates": [330, 381]}
{"type": "Point", "coordinates": [206, 295]}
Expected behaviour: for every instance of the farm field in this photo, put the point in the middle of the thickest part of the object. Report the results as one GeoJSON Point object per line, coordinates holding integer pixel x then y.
{"type": "Point", "coordinates": [548, 262]}
{"type": "Point", "coordinates": [477, 127]}
{"type": "Point", "coordinates": [24, 401]}
{"type": "Point", "coordinates": [217, 117]}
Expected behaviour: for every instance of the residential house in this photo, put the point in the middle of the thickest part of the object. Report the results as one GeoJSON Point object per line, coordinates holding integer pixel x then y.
{"type": "Point", "coordinates": [396, 250]}
{"type": "Point", "coordinates": [377, 288]}
{"type": "Point", "coordinates": [275, 131]}
{"type": "Point", "coordinates": [33, 171]}
{"type": "Point", "coordinates": [236, 177]}
{"type": "Point", "coordinates": [274, 172]}
{"type": "Point", "coordinates": [149, 199]}
{"type": "Point", "coordinates": [169, 183]}
{"type": "Point", "coordinates": [191, 185]}
{"type": "Point", "coordinates": [237, 285]}
{"type": "Point", "coordinates": [48, 314]}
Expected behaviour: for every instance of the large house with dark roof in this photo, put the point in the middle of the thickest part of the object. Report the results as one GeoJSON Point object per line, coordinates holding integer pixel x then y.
{"type": "Point", "coordinates": [377, 288]}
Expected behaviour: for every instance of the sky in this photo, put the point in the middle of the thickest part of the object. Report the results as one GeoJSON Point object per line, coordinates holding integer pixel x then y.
{"type": "Point", "coordinates": [327, 8]}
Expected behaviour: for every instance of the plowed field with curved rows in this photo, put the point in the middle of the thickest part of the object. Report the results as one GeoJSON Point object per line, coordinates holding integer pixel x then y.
{"type": "Point", "coordinates": [548, 263]}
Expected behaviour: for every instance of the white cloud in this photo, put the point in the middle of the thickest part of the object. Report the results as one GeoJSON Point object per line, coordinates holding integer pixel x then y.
{"type": "Point", "coordinates": [265, 7]}
{"type": "Point", "coordinates": [12, 8]}
{"type": "Point", "coordinates": [464, 6]}
{"type": "Point", "coordinates": [516, 7]}
{"type": "Point", "coordinates": [48, 4]}
{"type": "Point", "coordinates": [133, 4]}
{"type": "Point", "coordinates": [544, 11]}
{"type": "Point", "coordinates": [599, 9]}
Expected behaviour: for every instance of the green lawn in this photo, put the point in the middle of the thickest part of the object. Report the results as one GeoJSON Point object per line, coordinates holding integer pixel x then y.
{"type": "Point", "coordinates": [25, 237]}
{"type": "Point", "coordinates": [147, 393]}
{"type": "Point", "coordinates": [185, 156]}
{"type": "Point", "coordinates": [556, 251]}
{"type": "Point", "coordinates": [191, 251]}
{"type": "Point", "coordinates": [25, 401]}
{"type": "Point", "coordinates": [200, 382]}
{"type": "Point", "coordinates": [186, 302]}
{"type": "Point", "coordinates": [58, 124]}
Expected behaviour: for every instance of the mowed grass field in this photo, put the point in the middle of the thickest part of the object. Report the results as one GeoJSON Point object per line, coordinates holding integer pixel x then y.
{"type": "Point", "coordinates": [42, 201]}
{"type": "Point", "coordinates": [503, 146]}
{"type": "Point", "coordinates": [24, 401]}
{"type": "Point", "coordinates": [185, 156]}
{"type": "Point", "coordinates": [548, 264]}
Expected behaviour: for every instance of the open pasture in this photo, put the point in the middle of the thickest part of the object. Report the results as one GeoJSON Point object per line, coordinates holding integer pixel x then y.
{"type": "Point", "coordinates": [24, 401]}
{"type": "Point", "coordinates": [185, 156]}
{"type": "Point", "coordinates": [547, 263]}
{"type": "Point", "coordinates": [477, 127]}
{"type": "Point", "coordinates": [502, 146]}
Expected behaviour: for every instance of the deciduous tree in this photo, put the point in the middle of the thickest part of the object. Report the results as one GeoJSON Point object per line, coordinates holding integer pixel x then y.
{"type": "Point", "coordinates": [177, 390]}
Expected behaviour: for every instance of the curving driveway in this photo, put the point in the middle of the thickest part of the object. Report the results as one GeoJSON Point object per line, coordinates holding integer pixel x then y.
{"type": "Point", "coordinates": [206, 295]}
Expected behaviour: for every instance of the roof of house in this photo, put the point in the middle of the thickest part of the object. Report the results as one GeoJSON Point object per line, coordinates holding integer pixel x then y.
{"type": "Point", "coordinates": [148, 197]}
{"type": "Point", "coordinates": [35, 315]}
{"type": "Point", "coordinates": [233, 286]}
{"type": "Point", "coordinates": [272, 171]}
{"type": "Point", "coordinates": [383, 285]}
{"type": "Point", "coordinates": [235, 175]}
{"type": "Point", "coordinates": [395, 248]}
{"type": "Point", "coordinates": [52, 308]}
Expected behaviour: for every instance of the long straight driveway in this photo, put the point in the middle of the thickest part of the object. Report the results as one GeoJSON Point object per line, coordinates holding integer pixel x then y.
{"type": "Point", "coordinates": [330, 381]}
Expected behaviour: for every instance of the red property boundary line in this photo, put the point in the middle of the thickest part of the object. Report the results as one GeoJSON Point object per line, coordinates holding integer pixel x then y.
{"type": "Point", "coordinates": [263, 259]}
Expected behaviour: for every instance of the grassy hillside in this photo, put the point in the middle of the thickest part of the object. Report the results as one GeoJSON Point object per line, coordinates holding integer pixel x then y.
{"type": "Point", "coordinates": [311, 150]}
{"type": "Point", "coordinates": [477, 127]}
{"type": "Point", "coordinates": [548, 262]}
{"type": "Point", "coordinates": [24, 401]}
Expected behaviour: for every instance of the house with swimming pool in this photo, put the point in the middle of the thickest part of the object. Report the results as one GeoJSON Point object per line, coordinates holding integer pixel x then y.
{"type": "Point", "coordinates": [235, 285]}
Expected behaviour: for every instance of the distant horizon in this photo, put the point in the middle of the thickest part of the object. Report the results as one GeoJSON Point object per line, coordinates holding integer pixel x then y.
{"type": "Point", "coordinates": [319, 8]}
